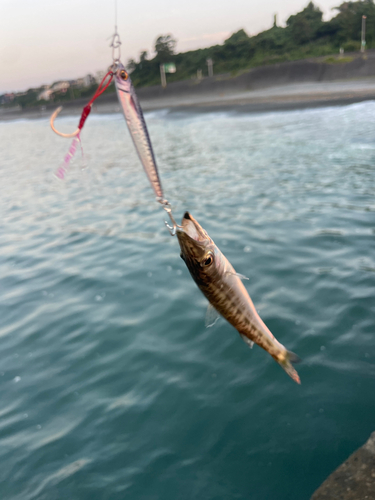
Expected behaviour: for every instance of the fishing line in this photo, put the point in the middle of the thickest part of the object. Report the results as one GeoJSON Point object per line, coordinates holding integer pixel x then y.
{"type": "Point", "coordinates": [116, 42]}
{"type": "Point", "coordinates": [116, 15]}
{"type": "Point", "coordinates": [103, 85]}
{"type": "Point", "coordinates": [134, 119]}
{"type": "Point", "coordinates": [128, 108]}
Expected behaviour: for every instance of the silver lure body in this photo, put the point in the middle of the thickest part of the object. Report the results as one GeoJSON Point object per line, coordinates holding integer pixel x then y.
{"type": "Point", "coordinates": [137, 127]}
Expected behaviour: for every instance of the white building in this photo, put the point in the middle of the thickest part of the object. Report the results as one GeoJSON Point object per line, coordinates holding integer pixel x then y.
{"type": "Point", "coordinates": [60, 87]}
{"type": "Point", "coordinates": [45, 95]}
{"type": "Point", "coordinates": [88, 80]}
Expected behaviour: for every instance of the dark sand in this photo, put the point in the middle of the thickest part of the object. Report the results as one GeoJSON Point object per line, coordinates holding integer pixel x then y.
{"type": "Point", "coordinates": [283, 97]}
{"type": "Point", "coordinates": [289, 85]}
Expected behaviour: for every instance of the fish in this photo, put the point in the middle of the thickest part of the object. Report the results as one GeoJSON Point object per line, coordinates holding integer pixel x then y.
{"type": "Point", "coordinates": [223, 287]}
{"type": "Point", "coordinates": [137, 127]}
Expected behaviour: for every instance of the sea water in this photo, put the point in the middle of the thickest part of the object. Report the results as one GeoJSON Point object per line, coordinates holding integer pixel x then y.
{"type": "Point", "coordinates": [111, 386]}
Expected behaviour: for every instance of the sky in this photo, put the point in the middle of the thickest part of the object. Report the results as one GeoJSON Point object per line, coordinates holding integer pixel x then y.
{"type": "Point", "coordinates": [45, 41]}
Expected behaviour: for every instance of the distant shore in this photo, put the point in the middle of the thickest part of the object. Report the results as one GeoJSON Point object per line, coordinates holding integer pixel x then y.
{"type": "Point", "coordinates": [280, 98]}
{"type": "Point", "coordinates": [284, 86]}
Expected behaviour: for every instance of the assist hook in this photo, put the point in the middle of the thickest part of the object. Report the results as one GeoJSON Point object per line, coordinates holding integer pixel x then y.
{"type": "Point", "coordinates": [103, 85]}
{"type": "Point", "coordinates": [52, 123]}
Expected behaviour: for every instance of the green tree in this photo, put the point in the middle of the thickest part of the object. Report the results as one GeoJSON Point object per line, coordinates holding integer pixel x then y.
{"type": "Point", "coordinates": [305, 25]}
{"type": "Point", "coordinates": [237, 38]}
{"type": "Point", "coordinates": [306, 35]}
{"type": "Point", "coordinates": [131, 65]}
{"type": "Point", "coordinates": [349, 21]}
{"type": "Point", "coordinates": [164, 47]}
{"type": "Point", "coordinates": [237, 46]}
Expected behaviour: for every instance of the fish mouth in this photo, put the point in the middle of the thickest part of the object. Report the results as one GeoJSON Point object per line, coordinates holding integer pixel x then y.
{"type": "Point", "coordinates": [192, 238]}
{"type": "Point", "coordinates": [191, 228]}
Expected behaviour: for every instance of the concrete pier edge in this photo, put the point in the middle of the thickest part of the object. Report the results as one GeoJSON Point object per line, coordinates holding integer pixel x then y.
{"type": "Point", "coordinates": [354, 479]}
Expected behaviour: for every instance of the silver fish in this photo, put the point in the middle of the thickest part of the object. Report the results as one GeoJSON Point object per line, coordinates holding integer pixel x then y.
{"type": "Point", "coordinates": [222, 286]}
{"type": "Point", "coordinates": [137, 127]}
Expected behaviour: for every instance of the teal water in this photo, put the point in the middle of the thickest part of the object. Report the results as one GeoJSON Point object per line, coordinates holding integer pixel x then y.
{"type": "Point", "coordinates": [111, 387]}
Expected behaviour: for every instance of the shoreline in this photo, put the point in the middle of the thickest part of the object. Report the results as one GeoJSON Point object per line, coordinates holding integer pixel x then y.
{"type": "Point", "coordinates": [292, 85]}
{"type": "Point", "coordinates": [272, 99]}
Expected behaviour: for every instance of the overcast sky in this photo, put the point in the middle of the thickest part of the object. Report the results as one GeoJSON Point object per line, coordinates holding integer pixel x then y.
{"type": "Point", "coordinates": [43, 41]}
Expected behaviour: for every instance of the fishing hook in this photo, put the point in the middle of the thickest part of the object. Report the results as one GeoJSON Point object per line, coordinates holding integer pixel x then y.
{"type": "Point", "coordinates": [167, 207]}
{"type": "Point", "coordinates": [86, 110]}
{"type": "Point", "coordinates": [52, 120]}
{"type": "Point", "coordinates": [172, 230]}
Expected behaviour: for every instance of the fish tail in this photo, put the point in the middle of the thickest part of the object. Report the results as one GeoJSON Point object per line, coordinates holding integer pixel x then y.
{"type": "Point", "coordinates": [286, 363]}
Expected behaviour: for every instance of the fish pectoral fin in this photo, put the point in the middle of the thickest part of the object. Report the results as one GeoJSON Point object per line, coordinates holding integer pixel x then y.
{"type": "Point", "coordinates": [241, 276]}
{"type": "Point", "coordinates": [211, 316]}
{"type": "Point", "coordinates": [247, 341]}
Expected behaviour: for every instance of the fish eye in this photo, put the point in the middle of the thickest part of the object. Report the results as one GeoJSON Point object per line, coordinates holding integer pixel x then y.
{"type": "Point", "coordinates": [124, 74]}
{"type": "Point", "coordinates": [208, 261]}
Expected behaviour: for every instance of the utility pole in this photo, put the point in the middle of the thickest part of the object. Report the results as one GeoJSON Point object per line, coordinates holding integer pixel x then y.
{"type": "Point", "coordinates": [162, 76]}
{"type": "Point", "coordinates": [363, 41]}
{"type": "Point", "coordinates": [210, 66]}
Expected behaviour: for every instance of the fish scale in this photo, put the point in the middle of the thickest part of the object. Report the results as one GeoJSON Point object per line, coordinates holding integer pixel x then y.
{"type": "Point", "coordinates": [220, 284]}
{"type": "Point", "coordinates": [209, 268]}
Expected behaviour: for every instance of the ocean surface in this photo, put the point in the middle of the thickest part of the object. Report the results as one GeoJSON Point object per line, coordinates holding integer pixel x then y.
{"type": "Point", "coordinates": [111, 387]}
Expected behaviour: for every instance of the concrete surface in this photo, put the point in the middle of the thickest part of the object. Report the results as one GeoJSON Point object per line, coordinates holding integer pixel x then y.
{"type": "Point", "coordinates": [354, 479]}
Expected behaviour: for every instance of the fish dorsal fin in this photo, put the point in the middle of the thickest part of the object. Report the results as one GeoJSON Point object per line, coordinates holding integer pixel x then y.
{"type": "Point", "coordinates": [211, 316]}
{"type": "Point", "coordinates": [247, 341]}
{"type": "Point", "coordinates": [241, 276]}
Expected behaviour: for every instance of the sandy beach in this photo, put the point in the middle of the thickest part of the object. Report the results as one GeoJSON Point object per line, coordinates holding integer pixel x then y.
{"type": "Point", "coordinates": [280, 97]}
{"type": "Point", "coordinates": [289, 85]}
{"type": "Point", "coordinates": [292, 96]}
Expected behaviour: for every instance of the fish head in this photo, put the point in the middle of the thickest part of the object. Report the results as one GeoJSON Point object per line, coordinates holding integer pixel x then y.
{"type": "Point", "coordinates": [122, 79]}
{"type": "Point", "coordinates": [199, 252]}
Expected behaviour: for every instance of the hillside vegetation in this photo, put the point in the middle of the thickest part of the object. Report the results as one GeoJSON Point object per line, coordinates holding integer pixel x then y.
{"type": "Point", "coordinates": [305, 35]}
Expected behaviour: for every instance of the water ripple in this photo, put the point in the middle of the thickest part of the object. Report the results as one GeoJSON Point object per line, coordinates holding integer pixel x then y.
{"type": "Point", "coordinates": [111, 385]}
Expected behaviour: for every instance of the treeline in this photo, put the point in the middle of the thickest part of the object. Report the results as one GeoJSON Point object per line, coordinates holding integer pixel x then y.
{"type": "Point", "coordinates": [305, 35]}
{"type": "Point", "coordinates": [30, 97]}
